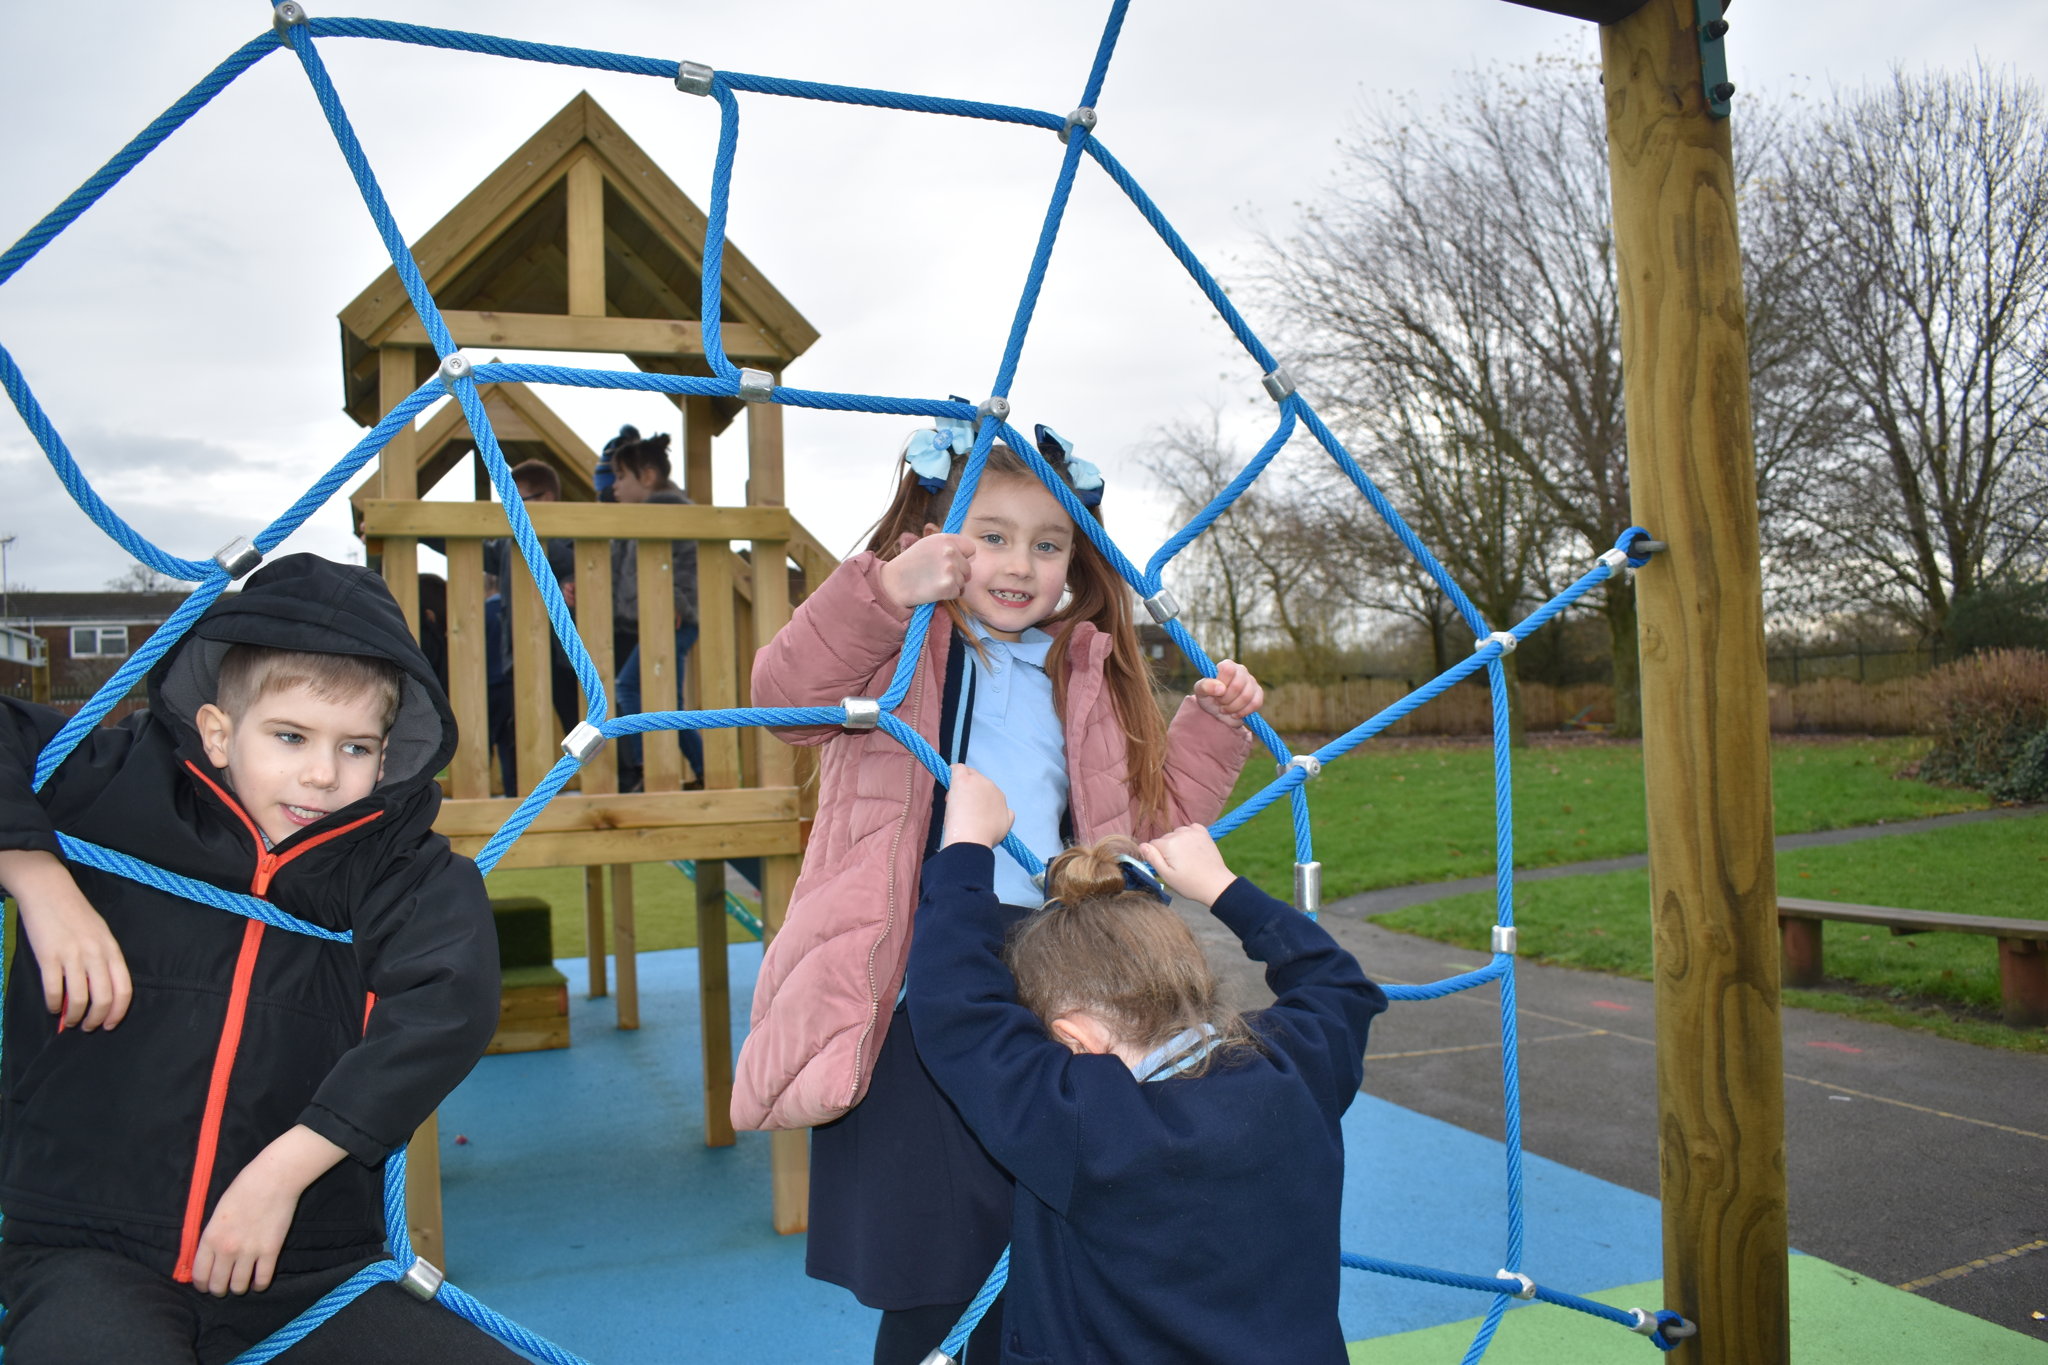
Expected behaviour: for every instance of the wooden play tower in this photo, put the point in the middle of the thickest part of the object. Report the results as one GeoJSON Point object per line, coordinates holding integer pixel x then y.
{"type": "Point", "coordinates": [578, 242]}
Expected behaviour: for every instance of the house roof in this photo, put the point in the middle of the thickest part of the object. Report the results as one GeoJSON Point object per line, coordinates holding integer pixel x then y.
{"type": "Point", "coordinates": [500, 266]}
{"type": "Point", "coordinates": [38, 608]}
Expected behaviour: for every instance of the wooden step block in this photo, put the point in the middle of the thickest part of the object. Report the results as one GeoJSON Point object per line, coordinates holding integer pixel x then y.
{"type": "Point", "coordinates": [533, 1011]}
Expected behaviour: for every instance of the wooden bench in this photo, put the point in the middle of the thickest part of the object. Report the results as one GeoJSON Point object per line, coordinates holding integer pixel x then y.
{"type": "Point", "coordinates": [533, 1006]}
{"type": "Point", "coordinates": [2022, 947]}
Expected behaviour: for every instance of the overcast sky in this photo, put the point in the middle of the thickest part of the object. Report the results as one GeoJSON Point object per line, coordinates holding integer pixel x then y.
{"type": "Point", "coordinates": [182, 335]}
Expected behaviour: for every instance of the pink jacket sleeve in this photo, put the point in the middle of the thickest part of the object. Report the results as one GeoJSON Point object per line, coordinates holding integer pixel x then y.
{"type": "Point", "coordinates": [1204, 755]}
{"type": "Point", "coordinates": [833, 646]}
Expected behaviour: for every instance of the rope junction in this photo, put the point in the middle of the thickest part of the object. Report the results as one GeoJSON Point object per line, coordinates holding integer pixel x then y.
{"type": "Point", "coordinates": [459, 378]}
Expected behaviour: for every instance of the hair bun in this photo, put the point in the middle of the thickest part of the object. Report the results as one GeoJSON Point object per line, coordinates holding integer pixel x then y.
{"type": "Point", "coordinates": [1090, 870]}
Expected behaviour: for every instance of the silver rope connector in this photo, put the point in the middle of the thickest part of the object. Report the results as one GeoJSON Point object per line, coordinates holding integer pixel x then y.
{"type": "Point", "coordinates": [1308, 887]}
{"type": "Point", "coordinates": [1082, 118]}
{"type": "Point", "coordinates": [937, 1357]}
{"type": "Point", "coordinates": [995, 406]}
{"type": "Point", "coordinates": [1504, 638]}
{"type": "Point", "coordinates": [1308, 763]}
{"type": "Point", "coordinates": [1528, 1289]}
{"type": "Point", "coordinates": [1615, 559]}
{"type": "Point", "coordinates": [455, 365]}
{"type": "Point", "coordinates": [756, 386]}
{"type": "Point", "coordinates": [1504, 939]}
{"type": "Point", "coordinates": [238, 556]}
{"type": "Point", "coordinates": [1163, 606]}
{"type": "Point", "coordinates": [583, 741]}
{"type": "Point", "coordinates": [424, 1280]}
{"type": "Point", "coordinates": [288, 15]}
{"type": "Point", "coordinates": [1279, 384]}
{"type": "Point", "coordinates": [1646, 1323]}
{"type": "Point", "coordinates": [862, 713]}
{"type": "Point", "coordinates": [694, 78]}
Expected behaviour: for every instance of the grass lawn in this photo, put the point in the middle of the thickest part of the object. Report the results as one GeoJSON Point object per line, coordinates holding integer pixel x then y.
{"type": "Point", "coordinates": [1944, 982]}
{"type": "Point", "coordinates": [1387, 815]}
{"type": "Point", "coordinates": [664, 905]}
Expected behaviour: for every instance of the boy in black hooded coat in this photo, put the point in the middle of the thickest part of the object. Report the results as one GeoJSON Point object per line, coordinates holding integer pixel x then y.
{"type": "Point", "coordinates": [244, 1050]}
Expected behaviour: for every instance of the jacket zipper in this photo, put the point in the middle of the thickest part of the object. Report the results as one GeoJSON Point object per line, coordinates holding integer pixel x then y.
{"type": "Point", "coordinates": [267, 867]}
{"type": "Point", "coordinates": [889, 918]}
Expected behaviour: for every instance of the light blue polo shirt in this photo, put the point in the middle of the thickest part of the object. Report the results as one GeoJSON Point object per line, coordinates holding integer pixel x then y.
{"type": "Point", "coordinates": [1014, 740]}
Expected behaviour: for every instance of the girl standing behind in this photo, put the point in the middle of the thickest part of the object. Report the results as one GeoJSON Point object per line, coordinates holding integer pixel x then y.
{"type": "Point", "coordinates": [1034, 670]}
{"type": "Point", "coordinates": [1179, 1170]}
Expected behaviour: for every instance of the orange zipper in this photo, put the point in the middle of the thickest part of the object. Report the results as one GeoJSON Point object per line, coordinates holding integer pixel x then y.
{"type": "Point", "coordinates": [267, 867]}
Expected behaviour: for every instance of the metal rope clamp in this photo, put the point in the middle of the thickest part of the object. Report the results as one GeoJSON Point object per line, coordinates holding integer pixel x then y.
{"type": "Point", "coordinates": [1528, 1289]}
{"type": "Point", "coordinates": [862, 713]}
{"type": "Point", "coordinates": [1279, 385]}
{"type": "Point", "coordinates": [1308, 887]}
{"type": "Point", "coordinates": [756, 386]}
{"type": "Point", "coordinates": [288, 15]}
{"type": "Point", "coordinates": [238, 556]}
{"type": "Point", "coordinates": [455, 366]}
{"type": "Point", "coordinates": [995, 406]}
{"type": "Point", "coordinates": [1504, 939]}
{"type": "Point", "coordinates": [583, 741]}
{"type": "Point", "coordinates": [694, 78]}
{"type": "Point", "coordinates": [423, 1281]}
{"type": "Point", "coordinates": [1504, 638]}
{"type": "Point", "coordinates": [1082, 118]}
{"type": "Point", "coordinates": [937, 1357]}
{"type": "Point", "coordinates": [1308, 763]}
{"type": "Point", "coordinates": [1163, 606]}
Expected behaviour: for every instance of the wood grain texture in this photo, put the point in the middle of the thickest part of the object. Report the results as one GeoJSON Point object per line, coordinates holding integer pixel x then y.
{"type": "Point", "coordinates": [714, 1004]}
{"type": "Point", "coordinates": [1706, 757]}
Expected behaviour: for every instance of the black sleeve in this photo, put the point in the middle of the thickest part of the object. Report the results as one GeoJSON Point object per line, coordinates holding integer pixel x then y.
{"type": "Point", "coordinates": [1325, 1003]}
{"type": "Point", "coordinates": [24, 731]}
{"type": "Point", "coordinates": [429, 952]}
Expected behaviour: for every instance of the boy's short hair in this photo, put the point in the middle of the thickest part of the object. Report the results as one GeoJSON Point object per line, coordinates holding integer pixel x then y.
{"type": "Point", "coordinates": [249, 672]}
{"type": "Point", "coordinates": [537, 479]}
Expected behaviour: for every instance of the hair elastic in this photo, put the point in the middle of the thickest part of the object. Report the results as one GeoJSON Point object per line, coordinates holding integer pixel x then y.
{"type": "Point", "coordinates": [1139, 876]}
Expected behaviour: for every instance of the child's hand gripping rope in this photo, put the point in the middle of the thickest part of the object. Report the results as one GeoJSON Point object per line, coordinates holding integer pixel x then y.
{"type": "Point", "coordinates": [1190, 864]}
{"type": "Point", "coordinates": [932, 568]}
{"type": "Point", "coordinates": [1232, 694]}
{"type": "Point", "coordinates": [85, 977]}
{"type": "Point", "coordinates": [975, 810]}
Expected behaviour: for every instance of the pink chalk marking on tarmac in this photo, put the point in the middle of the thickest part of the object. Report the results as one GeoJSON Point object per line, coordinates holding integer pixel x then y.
{"type": "Point", "coordinates": [1836, 1047]}
{"type": "Point", "coordinates": [1611, 1005]}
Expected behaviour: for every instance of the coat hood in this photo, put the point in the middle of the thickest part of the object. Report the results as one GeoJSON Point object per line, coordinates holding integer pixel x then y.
{"type": "Point", "coordinates": [304, 602]}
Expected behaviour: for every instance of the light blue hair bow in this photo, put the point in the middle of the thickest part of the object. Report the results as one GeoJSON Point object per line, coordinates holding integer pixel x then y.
{"type": "Point", "coordinates": [930, 452]}
{"type": "Point", "coordinates": [1082, 476]}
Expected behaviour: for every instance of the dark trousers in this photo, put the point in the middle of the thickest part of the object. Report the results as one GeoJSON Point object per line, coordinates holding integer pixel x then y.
{"type": "Point", "coordinates": [908, 1336]}
{"type": "Point", "coordinates": [85, 1307]}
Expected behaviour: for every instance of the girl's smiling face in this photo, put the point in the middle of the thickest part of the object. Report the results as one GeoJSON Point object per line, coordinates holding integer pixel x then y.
{"type": "Point", "coordinates": [1023, 542]}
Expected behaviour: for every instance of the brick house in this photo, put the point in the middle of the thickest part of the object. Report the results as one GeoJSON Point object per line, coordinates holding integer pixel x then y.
{"type": "Point", "coordinates": [85, 635]}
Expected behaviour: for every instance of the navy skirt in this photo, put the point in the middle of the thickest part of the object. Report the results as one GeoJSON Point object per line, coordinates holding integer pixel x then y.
{"type": "Point", "coordinates": [907, 1210]}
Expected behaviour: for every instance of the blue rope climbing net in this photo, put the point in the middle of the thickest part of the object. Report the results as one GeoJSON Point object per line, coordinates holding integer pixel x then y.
{"type": "Point", "coordinates": [295, 32]}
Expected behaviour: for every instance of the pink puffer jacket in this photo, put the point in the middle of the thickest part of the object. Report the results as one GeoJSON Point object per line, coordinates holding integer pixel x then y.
{"type": "Point", "coordinates": [819, 1006]}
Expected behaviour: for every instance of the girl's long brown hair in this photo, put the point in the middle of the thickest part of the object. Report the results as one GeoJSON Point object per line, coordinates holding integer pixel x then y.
{"type": "Point", "coordinates": [1096, 594]}
{"type": "Point", "coordinates": [1121, 955]}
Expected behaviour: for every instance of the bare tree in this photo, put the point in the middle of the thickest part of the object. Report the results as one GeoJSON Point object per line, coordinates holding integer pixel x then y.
{"type": "Point", "coordinates": [1463, 262]}
{"type": "Point", "coordinates": [141, 578]}
{"type": "Point", "coordinates": [1920, 217]}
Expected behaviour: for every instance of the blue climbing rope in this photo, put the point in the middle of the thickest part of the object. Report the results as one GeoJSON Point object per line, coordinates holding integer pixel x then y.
{"type": "Point", "coordinates": [462, 381]}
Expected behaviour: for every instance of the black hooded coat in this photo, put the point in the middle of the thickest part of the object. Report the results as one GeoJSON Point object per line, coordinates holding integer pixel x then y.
{"type": "Point", "coordinates": [124, 1139]}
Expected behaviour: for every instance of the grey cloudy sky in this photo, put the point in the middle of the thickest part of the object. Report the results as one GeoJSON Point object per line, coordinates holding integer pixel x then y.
{"type": "Point", "coordinates": [182, 334]}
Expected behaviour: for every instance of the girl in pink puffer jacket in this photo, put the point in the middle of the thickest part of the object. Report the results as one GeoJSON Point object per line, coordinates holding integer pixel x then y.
{"type": "Point", "coordinates": [1034, 670]}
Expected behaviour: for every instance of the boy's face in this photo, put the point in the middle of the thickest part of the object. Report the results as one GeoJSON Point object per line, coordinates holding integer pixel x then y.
{"type": "Point", "coordinates": [296, 757]}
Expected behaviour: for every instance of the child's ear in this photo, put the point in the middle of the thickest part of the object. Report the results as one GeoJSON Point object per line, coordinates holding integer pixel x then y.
{"type": "Point", "coordinates": [215, 729]}
{"type": "Point", "coordinates": [931, 528]}
{"type": "Point", "coordinates": [1081, 1032]}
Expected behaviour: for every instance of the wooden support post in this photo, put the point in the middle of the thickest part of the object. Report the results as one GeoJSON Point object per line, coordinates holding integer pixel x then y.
{"type": "Point", "coordinates": [585, 245]}
{"type": "Point", "coordinates": [398, 477]}
{"type": "Point", "coordinates": [533, 705]}
{"type": "Point", "coordinates": [593, 930]}
{"type": "Point", "coordinates": [2023, 981]}
{"type": "Point", "coordinates": [1706, 735]}
{"type": "Point", "coordinates": [1800, 957]}
{"type": "Point", "coordinates": [469, 773]}
{"type": "Point", "coordinates": [661, 757]}
{"type": "Point", "coordinates": [714, 1003]}
{"type": "Point", "coordinates": [623, 945]}
{"type": "Point", "coordinates": [717, 670]}
{"type": "Point", "coordinates": [789, 1159]}
{"type": "Point", "coordinates": [423, 1192]}
{"type": "Point", "coordinates": [697, 421]}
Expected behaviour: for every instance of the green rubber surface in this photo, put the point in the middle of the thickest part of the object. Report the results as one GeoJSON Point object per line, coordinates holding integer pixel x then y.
{"type": "Point", "coordinates": [1838, 1318]}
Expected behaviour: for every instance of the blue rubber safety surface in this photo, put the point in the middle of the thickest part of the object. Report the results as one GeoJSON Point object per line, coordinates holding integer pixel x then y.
{"type": "Point", "coordinates": [584, 1204]}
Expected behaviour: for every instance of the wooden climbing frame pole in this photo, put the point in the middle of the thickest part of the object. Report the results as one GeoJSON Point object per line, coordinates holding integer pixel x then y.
{"type": "Point", "coordinates": [1706, 721]}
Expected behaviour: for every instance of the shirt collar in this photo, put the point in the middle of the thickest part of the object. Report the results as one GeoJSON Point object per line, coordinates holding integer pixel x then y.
{"type": "Point", "coordinates": [1030, 649]}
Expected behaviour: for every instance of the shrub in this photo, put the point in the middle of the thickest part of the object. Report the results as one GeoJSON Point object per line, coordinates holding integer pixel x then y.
{"type": "Point", "coordinates": [1992, 728]}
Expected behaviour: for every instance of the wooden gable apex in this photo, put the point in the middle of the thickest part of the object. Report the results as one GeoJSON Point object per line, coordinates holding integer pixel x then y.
{"type": "Point", "coordinates": [527, 429]}
{"type": "Point", "coordinates": [577, 242]}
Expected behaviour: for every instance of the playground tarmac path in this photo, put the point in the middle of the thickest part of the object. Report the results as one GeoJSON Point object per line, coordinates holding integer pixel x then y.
{"type": "Point", "coordinates": [1909, 1157]}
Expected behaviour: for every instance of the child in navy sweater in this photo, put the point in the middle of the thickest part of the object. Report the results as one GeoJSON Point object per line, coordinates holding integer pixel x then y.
{"type": "Point", "coordinates": [1179, 1170]}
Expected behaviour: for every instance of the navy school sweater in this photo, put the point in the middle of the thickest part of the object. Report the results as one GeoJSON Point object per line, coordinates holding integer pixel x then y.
{"type": "Point", "coordinates": [1185, 1220]}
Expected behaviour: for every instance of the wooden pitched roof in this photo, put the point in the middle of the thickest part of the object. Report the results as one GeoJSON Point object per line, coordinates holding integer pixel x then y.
{"type": "Point", "coordinates": [527, 429]}
{"type": "Point", "coordinates": [579, 242]}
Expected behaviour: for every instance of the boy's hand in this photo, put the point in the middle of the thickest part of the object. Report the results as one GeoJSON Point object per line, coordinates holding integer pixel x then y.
{"type": "Point", "coordinates": [1232, 694]}
{"type": "Point", "coordinates": [1190, 864]}
{"type": "Point", "coordinates": [85, 977]}
{"type": "Point", "coordinates": [932, 568]}
{"type": "Point", "coordinates": [976, 812]}
{"type": "Point", "coordinates": [238, 1250]}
